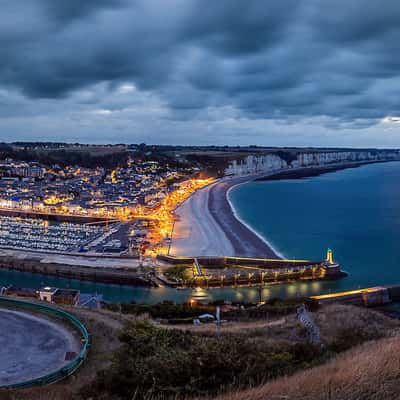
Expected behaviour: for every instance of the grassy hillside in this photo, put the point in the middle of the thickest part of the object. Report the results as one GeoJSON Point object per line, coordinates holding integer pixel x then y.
{"type": "Point", "coordinates": [369, 371]}
{"type": "Point", "coordinates": [135, 358]}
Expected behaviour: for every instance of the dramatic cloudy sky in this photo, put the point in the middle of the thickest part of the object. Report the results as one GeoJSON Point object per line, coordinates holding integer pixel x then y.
{"type": "Point", "coordinates": [276, 72]}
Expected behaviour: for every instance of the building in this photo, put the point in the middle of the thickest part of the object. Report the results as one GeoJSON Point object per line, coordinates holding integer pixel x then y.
{"type": "Point", "coordinates": [50, 294]}
{"type": "Point", "coordinates": [27, 171]}
{"type": "Point", "coordinates": [66, 296]}
{"type": "Point", "coordinates": [46, 293]}
{"type": "Point", "coordinates": [21, 292]}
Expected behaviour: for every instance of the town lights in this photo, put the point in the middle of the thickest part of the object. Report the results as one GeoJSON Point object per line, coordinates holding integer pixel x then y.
{"type": "Point", "coordinates": [163, 214]}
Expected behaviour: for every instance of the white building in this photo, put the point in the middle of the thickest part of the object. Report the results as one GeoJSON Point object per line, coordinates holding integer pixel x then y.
{"type": "Point", "coordinates": [46, 293]}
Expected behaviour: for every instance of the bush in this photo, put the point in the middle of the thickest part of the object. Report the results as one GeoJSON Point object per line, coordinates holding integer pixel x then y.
{"type": "Point", "coordinates": [166, 362]}
{"type": "Point", "coordinates": [177, 272]}
{"type": "Point", "coordinates": [352, 336]}
{"type": "Point", "coordinates": [164, 310]}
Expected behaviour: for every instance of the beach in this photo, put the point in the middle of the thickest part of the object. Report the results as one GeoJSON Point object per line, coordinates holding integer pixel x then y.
{"type": "Point", "coordinates": [207, 226]}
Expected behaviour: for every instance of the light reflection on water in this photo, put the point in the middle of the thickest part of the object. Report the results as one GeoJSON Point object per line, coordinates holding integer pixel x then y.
{"type": "Point", "coordinates": [356, 212]}
{"type": "Point", "coordinates": [119, 293]}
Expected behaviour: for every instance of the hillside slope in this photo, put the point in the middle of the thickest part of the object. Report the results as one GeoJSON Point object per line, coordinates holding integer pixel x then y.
{"type": "Point", "coordinates": [370, 371]}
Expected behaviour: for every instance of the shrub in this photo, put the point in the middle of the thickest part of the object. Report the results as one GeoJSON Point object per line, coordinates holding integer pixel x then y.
{"type": "Point", "coordinates": [178, 272]}
{"type": "Point", "coordinates": [351, 336]}
{"type": "Point", "coordinates": [174, 363]}
{"type": "Point", "coordinates": [164, 310]}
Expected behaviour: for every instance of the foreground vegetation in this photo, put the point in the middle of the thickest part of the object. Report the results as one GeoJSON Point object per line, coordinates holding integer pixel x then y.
{"type": "Point", "coordinates": [170, 311]}
{"type": "Point", "coordinates": [134, 358]}
{"type": "Point", "coordinates": [160, 361]}
{"type": "Point", "coordinates": [171, 363]}
{"type": "Point", "coordinates": [368, 372]}
{"type": "Point", "coordinates": [166, 310]}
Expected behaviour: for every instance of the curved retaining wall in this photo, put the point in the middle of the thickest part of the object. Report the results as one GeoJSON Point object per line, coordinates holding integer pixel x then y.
{"type": "Point", "coordinates": [74, 364]}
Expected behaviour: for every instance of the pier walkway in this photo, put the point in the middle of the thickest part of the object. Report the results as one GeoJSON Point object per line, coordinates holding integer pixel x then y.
{"type": "Point", "coordinates": [372, 296]}
{"type": "Point", "coordinates": [236, 271]}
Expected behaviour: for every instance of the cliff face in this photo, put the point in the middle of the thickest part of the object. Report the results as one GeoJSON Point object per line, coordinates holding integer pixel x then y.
{"type": "Point", "coordinates": [253, 164]}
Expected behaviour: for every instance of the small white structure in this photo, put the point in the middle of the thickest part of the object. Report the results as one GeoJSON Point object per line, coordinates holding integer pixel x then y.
{"type": "Point", "coordinates": [206, 318]}
{"type": "Point", "coordinates": [46, 293]}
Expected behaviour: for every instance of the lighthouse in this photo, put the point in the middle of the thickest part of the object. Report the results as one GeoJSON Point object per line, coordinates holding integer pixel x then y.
{"type": "Point", "coordinates": [329, 257]}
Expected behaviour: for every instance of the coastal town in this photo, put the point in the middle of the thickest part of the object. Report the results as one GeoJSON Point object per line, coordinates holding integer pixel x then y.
{"type": "Point", "coordinates": [79, 191]}
{"type": "Point", "coordinates": [127, 209]}
{"type": "Point", "coordinates": [138, 219]}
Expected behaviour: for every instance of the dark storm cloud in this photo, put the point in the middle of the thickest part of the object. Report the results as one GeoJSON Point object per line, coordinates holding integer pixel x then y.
{"type": "Point", "coordinates": [347, 22]}
{"type": "Point", "coordinates": [269, 60]}
{"type": "Point", "coordinates": [66, 11]}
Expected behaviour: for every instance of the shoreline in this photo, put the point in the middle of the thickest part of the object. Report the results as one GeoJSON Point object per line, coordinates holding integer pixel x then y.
{"type": "Point", "coordinates": [210, 226]}
{"type": "Point", "coordinates": [237, 237]}
{"type": "Point", "coordinates": [290, 174]}
{"type": "Point", "coordinates": [245, 240]}
{"type": "Point", "coordinates": [250, 228]}
{"type": "Point", "coordinates": [207, 226]}
{"type": "Point", "coordinates": [313, 171]}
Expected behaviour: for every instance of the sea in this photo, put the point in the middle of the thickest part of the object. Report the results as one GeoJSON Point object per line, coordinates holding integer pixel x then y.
{"type": "Point", "coordinates": [355, 212]}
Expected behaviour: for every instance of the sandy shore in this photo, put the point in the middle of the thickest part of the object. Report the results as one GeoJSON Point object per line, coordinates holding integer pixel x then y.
{"type": "Point", "coordinates": [196, 232]}
{"type": "Point", "coordinates": [207, 226]}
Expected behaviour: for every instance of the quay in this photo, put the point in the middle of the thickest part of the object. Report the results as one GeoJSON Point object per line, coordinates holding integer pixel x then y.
{"type": "Point", "coordinates": [241, 271]}
{"type": "Point", "coordinates": [121, 276]}
{"type": "Point", "coordinates": [373, 296]}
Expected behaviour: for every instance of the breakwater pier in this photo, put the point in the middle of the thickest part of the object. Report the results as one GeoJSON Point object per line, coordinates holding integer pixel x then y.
{"type": "Point", "coordinates": [241, 271]}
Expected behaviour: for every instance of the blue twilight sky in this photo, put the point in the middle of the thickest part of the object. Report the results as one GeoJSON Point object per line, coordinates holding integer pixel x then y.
{"type": "Point", "coordinates": [276, 72]}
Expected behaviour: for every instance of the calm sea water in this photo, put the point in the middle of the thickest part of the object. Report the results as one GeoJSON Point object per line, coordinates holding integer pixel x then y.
{"type": "Point", "coordinates": [356, 212]}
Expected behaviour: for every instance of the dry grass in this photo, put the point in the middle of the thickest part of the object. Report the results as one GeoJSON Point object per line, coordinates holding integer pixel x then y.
{"type": "Point", "coordinates": [370, 371]}
{"type": "Point", "coordinates": [234, 327]}
{"type": "Point", "coordinates": [332, 320]}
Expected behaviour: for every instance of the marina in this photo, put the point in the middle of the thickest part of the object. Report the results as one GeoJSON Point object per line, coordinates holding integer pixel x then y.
{"type": "Point", "coordinates": [39, 234]}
